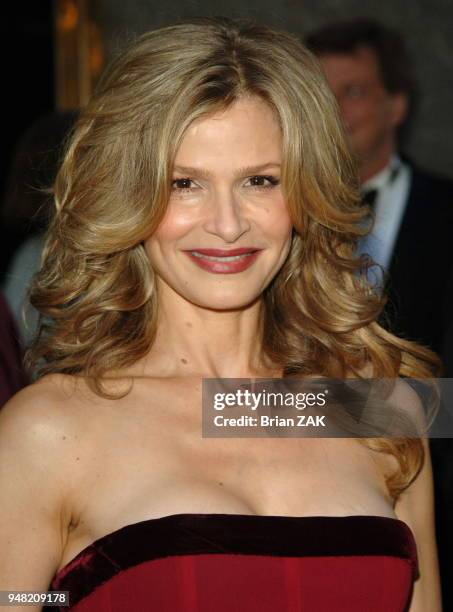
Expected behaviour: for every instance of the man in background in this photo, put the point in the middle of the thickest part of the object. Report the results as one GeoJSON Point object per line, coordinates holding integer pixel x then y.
{"type": "Point", "coordinates": [12, 374]}
{"type": "Point", "coordinates": [369, 71]}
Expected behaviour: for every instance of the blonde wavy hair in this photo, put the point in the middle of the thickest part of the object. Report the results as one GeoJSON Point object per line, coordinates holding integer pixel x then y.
{"type": "Point", "coordinates": [96, 289]}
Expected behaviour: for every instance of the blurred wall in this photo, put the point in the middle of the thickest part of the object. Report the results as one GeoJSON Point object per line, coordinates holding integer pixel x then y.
{"type": "Point", "coordinates": [426, 24]}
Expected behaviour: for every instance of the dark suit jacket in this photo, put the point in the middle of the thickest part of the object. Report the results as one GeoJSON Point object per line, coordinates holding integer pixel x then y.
{"type": "Point", "coordinates": [422, 262]}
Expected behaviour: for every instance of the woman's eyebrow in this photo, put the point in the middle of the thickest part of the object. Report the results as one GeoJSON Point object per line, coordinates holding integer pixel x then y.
{"type": "Point", "coordinates": [245, 170]}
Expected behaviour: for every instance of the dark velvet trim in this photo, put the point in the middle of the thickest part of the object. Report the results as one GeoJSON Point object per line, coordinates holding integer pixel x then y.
{"type": "Point", "coordinates": [191, 534]}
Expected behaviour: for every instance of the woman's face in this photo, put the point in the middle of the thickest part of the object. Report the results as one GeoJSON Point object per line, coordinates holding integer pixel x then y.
{"type": "Point", "coordinates": [226, 232]}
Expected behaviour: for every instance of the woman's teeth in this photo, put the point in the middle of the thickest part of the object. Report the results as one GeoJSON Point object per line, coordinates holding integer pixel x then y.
{"type": "Point", "coordinates": [222, 259]}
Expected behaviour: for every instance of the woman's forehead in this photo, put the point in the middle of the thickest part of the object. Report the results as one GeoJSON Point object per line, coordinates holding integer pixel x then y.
{"type": "Point", "coordinates": [248, 127]}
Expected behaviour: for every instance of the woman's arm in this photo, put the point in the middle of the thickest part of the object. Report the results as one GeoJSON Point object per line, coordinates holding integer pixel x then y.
{"type": "Point", "coordinates": [416, 507]}
{"type": "Point", "coordinates": [34, 430]}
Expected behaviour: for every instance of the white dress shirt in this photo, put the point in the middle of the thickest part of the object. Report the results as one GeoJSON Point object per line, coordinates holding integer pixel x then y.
{"type": "Point", "coordinates": [392, 185]}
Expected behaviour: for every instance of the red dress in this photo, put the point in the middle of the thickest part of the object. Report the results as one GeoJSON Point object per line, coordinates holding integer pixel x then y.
{"type": "Point", "coordinates": [245, 563]}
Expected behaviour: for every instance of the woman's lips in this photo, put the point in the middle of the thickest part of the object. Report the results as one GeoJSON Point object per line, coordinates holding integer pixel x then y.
{"type": "Point", "coordinates": [221, 261]}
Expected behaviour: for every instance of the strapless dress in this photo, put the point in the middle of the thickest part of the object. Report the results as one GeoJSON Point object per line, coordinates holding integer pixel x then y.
{"type": "Point", "coordinates": [245, 563]}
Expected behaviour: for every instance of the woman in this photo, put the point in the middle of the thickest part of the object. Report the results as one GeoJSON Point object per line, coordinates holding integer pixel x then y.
{"type": "Point", "coordinates": [206, 224]}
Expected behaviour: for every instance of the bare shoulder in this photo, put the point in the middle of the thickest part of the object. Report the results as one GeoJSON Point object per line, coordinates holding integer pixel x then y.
{"type": "Point", "coordinates": [42, 413]}
{"type": "Point", "coordinates": [415, 506]}
{"type": "Point", "coordinates": [407, 400]}
{"type": "Point", "coordinates": [44, 426]}
{"type": "Point", "coordinates": [39, 429]}
{"type": "Point", "coordinates": [43, 394]}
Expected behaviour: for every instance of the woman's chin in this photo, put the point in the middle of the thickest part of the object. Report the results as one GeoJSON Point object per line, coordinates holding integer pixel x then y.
{"type": "Point", "coordinates": [226, 302]}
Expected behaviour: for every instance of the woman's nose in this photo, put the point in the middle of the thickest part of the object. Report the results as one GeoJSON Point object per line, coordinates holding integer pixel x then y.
{"type": "Point", "coordinates": [226, 217]}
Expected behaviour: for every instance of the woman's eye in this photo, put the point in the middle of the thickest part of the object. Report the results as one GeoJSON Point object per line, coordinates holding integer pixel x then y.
{"type": "Point", "coordinates": [186, 185]}
{"type": "Point", "coordinates": [182, 184]}
{"type": "Point", "coordinates": [262, 181]}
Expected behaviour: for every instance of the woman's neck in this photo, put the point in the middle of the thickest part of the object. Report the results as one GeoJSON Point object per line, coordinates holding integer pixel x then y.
{"type": "Point", "coordinates": [195, 341]}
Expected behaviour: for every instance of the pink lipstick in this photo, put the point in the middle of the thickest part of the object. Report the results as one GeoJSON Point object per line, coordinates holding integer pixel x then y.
{"type": "Point", "coordinates": [224, 261]}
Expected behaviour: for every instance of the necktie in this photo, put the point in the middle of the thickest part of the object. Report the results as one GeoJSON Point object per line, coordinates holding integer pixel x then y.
{"type": "Point", "coordinates": [369, 197]}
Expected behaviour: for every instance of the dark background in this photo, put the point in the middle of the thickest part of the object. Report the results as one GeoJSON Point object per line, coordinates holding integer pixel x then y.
{"type": "Point", "coordinates": [27, 50]}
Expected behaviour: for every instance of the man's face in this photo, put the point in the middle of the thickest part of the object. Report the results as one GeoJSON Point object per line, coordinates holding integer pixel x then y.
{"type": "Point", "coordinates": [370, 113]}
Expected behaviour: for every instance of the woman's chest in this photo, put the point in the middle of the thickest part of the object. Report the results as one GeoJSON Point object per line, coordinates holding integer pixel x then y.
{"type": "Point", "coordinates": [141, 470]}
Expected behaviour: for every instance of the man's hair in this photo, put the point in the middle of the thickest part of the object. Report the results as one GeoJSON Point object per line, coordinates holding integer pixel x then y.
{"type": "Point", "coordinates": [347, 37]}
